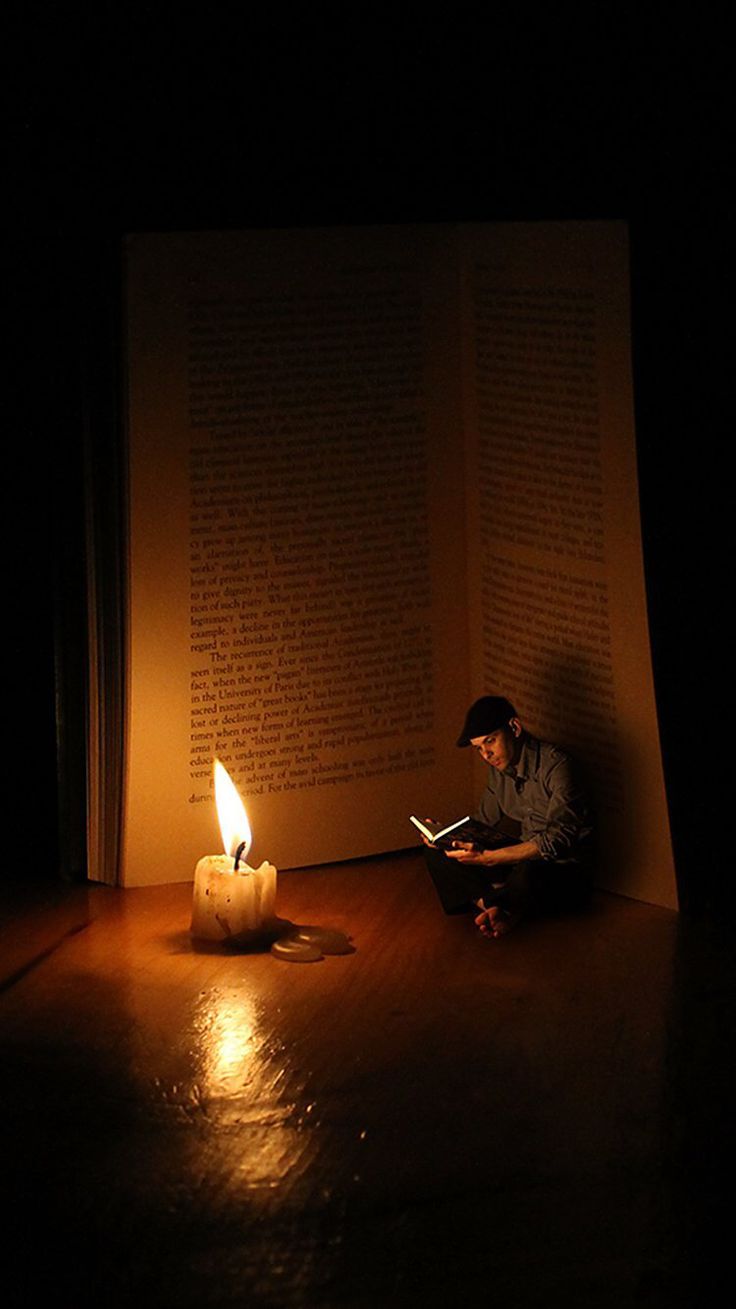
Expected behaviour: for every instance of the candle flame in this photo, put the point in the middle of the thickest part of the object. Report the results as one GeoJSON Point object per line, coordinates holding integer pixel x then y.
{"type": "Point", "coordinates": [231, 813]}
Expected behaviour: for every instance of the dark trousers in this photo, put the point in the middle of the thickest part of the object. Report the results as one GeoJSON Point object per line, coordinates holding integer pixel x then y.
{"type": "Point", "coordinates": [528, 889]}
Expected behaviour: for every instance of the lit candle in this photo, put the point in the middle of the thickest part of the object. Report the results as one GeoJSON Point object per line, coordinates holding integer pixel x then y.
{"type": "Point", "coordinates": [231, 899]}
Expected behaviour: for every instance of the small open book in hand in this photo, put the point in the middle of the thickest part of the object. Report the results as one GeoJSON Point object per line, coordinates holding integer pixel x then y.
{"type": "Point", "coordinates": [468, 829]}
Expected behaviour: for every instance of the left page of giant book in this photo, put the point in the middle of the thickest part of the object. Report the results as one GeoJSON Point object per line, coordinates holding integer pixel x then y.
{"type": "Point", "coordinates": [296, 594]}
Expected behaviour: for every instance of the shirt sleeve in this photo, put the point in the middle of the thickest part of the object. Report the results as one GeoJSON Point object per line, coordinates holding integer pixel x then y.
{"type": "Point", "coordinates": [567, 832]}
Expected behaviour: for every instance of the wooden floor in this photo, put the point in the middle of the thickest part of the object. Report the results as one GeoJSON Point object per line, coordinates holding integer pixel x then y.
{"type": "Point", "coordinates": [432, 1118]}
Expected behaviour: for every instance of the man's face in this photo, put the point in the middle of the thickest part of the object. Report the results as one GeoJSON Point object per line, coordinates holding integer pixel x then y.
{"type": "Point", "coordinates": [498, 748]}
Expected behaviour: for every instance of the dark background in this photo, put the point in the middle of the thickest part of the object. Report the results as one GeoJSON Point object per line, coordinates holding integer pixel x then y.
{"type": "Point", "coordinates": [136, 120]}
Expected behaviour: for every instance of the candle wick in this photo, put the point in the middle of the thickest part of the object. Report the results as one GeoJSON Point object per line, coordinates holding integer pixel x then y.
{"type": "Point", "coordinates": [238, 853]}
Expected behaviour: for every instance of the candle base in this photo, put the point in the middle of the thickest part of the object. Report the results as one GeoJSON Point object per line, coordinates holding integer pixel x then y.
{"type": "Point", "coordinates": [229, 905]}
{"type": "Point", "coordinates": [252, 941]}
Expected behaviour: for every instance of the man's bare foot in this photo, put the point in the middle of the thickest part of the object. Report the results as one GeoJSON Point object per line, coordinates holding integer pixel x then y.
{"type": "Point", "coordinates": [496, 922]}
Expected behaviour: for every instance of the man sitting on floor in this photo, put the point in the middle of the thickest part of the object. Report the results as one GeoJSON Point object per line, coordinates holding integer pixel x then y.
{"type": "Point", "coordinates": [538, 855]}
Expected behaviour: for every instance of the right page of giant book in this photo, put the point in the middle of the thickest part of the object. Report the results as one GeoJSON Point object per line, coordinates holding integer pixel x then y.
{"type": "Point", "coordinates": [557, 608]}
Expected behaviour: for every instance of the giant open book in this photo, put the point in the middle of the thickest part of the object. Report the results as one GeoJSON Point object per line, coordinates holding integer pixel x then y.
{"type": "Point", "coordinates": [374, 473]}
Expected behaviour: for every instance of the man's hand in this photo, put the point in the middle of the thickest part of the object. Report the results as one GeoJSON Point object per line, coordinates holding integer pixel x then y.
{"type": "Point", "coordinates": [467, 853]}
{"type": "Point", "coordinates": [508, 854]}
{"type": "Point", "coordinates": [425, 839]}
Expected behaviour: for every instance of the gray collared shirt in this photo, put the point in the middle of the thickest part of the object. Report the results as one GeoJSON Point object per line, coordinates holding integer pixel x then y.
{"type": "Point", "coordinates": [542, 792]}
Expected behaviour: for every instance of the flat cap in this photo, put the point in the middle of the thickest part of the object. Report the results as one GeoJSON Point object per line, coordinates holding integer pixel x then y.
{"type": "Point", "coordinates": [485, 716]}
